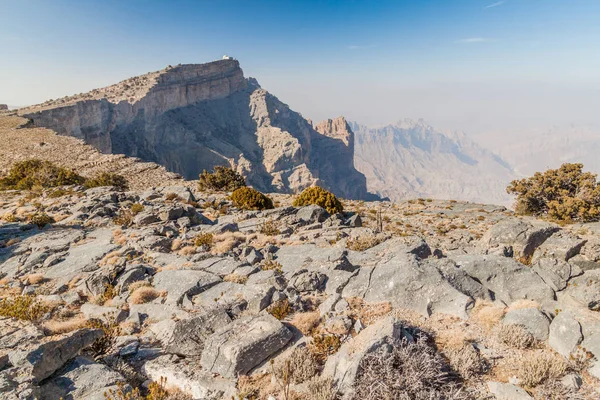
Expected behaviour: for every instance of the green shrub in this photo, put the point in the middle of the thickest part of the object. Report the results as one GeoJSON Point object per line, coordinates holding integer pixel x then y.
{"type": "Point", "coordinates": [25, 175]}
{"type": "Point", "coordinates": [136, 208]}
{"type": "Point", "coordinates": [566, 194]}
{"type": "Point", "coordinates": [224, 179]}
{"type": "Point", "coordinates": [320, 197]}
{"type": "Point", "coordinates": [26, 308]}
{"type": "Point", "coordinates": [40, 219]}
{"type": "Point", "coordinates": [205, 240]}
{"type": "Point", "coordinates": [107, 179]}
{"type": "Point", "coordinates": [247, 198]}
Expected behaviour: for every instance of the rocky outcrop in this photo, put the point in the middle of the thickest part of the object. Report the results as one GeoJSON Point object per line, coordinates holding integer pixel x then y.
{"type": "Point", "coordinates": [189, 118]}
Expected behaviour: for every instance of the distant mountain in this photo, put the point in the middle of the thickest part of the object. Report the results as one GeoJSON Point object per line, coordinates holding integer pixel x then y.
{"type": "Point", "coordinates": [411, 159]}
{"type": "Point", "coordinates": [193, 117]}
{"type": "Point", "coordinates": [538, 150]}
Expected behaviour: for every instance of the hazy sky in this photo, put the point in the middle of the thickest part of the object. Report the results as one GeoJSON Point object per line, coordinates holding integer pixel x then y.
{"type": "Point", "coordinates": [469, 64]}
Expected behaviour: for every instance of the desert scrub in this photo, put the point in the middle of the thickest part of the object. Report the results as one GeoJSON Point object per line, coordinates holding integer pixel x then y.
{"type": "Point", "coordinates": [247, 198]}
{"type": "Point", "coordinates": [515, 336]}
{"type": "Point", "coordinates": [107, 179]}
{"type": "Point", "coordinates": [106, 343]}
{"type": "Point", "coordinates": [25, 175]}
{"type": "Point", "coordinates": [280, 309]}
{"type": "Point", "coordinates": [40, 219]}
{"type": "Point", "coordinates": [155, 391]}
{"type": "Point", "coordinates": [566, 194]}
{"type": "Point", "coordinates": [363, 243]}
{"type": "Point", "coordinates": [270, 264]}
{"type": "Point", "coordinates": [123, 218]}
{"type": "Point", "coordinates": [269, 228]}
{"type": "Point", "coordinates": [25, 308]}
{"type": "Point", "coordinates": [409, 370]}
{"type": "Point", "coordinates": [205, 240]}
{"type": "Point", "coordinates": [540, 366]}
{"type": "Point", "coordinates": [320, 197]}
{"type": "Point", "coordinates": [143, 294]}
{"type": "Point", "coordinates": [324, 345]}
{"type": "Point", "coordinates": [136, 208]}
{"type": "Point", "coordinates": [223, 179]}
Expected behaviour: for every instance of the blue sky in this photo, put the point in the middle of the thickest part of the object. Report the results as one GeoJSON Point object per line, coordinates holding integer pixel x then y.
{"type": "Point", "coordinates": [468, 64]}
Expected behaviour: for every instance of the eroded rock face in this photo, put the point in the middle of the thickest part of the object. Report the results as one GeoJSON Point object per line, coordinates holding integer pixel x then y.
{"type": "Point", "coordinates": [192, 117]}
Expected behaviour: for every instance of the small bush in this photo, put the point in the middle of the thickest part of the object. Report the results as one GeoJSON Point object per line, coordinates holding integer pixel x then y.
{"type": "Point", "coordinates": [363, 243]}
{"type": "Point", "coordinates": [224, 179]}
{"type": "Point", "coordinates": [25, 175]}
{"type": "Point", "coordinates": [269, 228]}
{"type": "Point", "coordinates": [136, 208]}
{"type": "Point", "coordinates": [40, 219]}
{"type": "Point", "coordinates": [407, 371]}
{"type": "Point", "coordinates": [301, 366]}
{"type": "Point", "coordinates": [270, 264]}
{"type": "Point", "coordinates": [142, 295]}
{"type": "Point", "coordinates": [123, 218]}
{"type": "Point", "coordinates": [25, 308]}
{"type": "Point", "coordinates": [107, 179]}
{"type": "Point", "coordinates": [322, 389]}
{"type": "Point", "coordinates": [515, 336]}
{"type": "Point", "coordinates": [206, 240]}
{"type": "Point", "coordinates": [280, 309]}
{"type": "Point", "coordinates": [466, 361]}
{"type": "Point", "coordinates": [156, 391]}
{"type": "Point", "coordinates": [324, 345]}
{"type": "Point", "coordinates": [539, 367]}
{"type": "Point", "coordinates": [320, 197]}
{"type": "Point", "coordinates": [106, 343]}
{"type": "Point", "coordinates": [566, 194]}
{"type": "Point", "coordinates": [247, 198]}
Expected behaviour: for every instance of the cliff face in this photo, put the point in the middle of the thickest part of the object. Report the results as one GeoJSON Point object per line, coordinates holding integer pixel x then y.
{"type": "Point", "coordinates": [193, 117]}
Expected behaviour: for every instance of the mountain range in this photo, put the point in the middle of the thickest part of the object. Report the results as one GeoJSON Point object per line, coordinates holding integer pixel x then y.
{"type": "Point", "coordinates": [190, 118]}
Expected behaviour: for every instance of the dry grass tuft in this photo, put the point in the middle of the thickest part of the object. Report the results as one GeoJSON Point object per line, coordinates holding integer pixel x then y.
{"type": "Point", "coordinates": [34, 279]}
{"type": "Point", "coordinates": [487, 313]}
{"type": "Point", "coordinates": [363, 243]}
{"type": "Point", "coordinates": [187, 251]}
{"type": "Point", "coordinates": [55, 327]}
{"type": "Point", "coordinates": [540, 366]}
{"type": "Point", "coordinates": [306, 322]}
{"type": "Point", "coordinates": [466, 361]}
{"type": "Point", "coordinates": [235, 278]}
{"type": "Point", "coordinates": [368, 312]}
{"type": "Point", "coordinates": [300, 366]}
{"type": "Point", "coordinates": [523, 303]}
{"type": "Point", "coordinates": [515, 336]}
{"type": "Point", "coordinates": [144, 294]}
{"type": "Point", "coordinates": [322, 389]}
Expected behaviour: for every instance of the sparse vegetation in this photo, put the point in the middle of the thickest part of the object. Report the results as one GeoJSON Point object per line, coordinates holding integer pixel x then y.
{"type": "Point", "coordinates": [270, 264]}
{"type": "Point", "coordinates": [123, 218]}
{"type": "Point", "coordinates": [536, 368]}
{"type": "Point", "coordinates": [280, 309]}
{"type": "Point", "coordinates": [136, 208]}
{"type": "Point", "coordinates": [104, 344]}
{"type": "Point", "coordinates": [566, 194]}
{"type": "Point", "coordinates": [320, 197]}
{"type": "Point", "coordinates": [205, 240]}
{"type": "Point", "coordinates": [324, 345]}
{"type": "Point", "coordinates": [247, 198]}
{"type": "Point", "coordinates": [363, 243]}
{"type": "Point", "coordinates": [223, 179]}
{"type": "Point", "coordinates": [515, 336]}
{"type": "Point", "coordinates": [25, 175]}
{"type": "Point", "coordinates": [107, 179]}
{"type": "Point", "coordinates": [301, 365]}
{"type": "Point", "coordinates": [40, 219]}
{"type": "Point", "coordinates": [26, 308]}
{"type": "Point", "coordinates": [156, 391]}
{"type": "Point", "coordinates": [410, 370]}
{"type": "Point", "coordinates": [269, 228]}
{"type": "Point", "coordinates": [143, 294]}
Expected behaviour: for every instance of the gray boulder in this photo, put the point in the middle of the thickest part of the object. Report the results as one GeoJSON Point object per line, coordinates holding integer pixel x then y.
{"type": "Point", "coordinates": [508, 391]}
{"type": "Point", "coordinates": [90, 310]}
{"type": "Point", "coordinates": [532, 319]}
{"type": "Point", "coordinates": [307, 281]}
{"type": "Point", "coordinates": [311, 214]}
{"type": "Point", "coordinates": [44, 359]}
{"type": "Point", "coordinates": [189, 335]}
{"type": "Point", "coordinates": [565, 334]}
{"type": "Point", "coordinates": [586, 289]}
{"type": "Point", "coordinates": [561, 245]}
{"type": "Point", "coordinates": [179, 283]}
{"type": "Point", "coordinates": [508, 279]}
{"type": "Point", "coordinates": [237, 348]}
{"type": "Point", "coordinates": [555, 272]}
{"type": "Point", "coordinates": [81, 378]}
{"type": "Point", "coordinates": [522, 236]}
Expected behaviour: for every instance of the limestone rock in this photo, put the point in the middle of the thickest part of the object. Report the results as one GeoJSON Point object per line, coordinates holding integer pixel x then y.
{"type": "Point", "coordinates": [565, 334]}
{"type": "Point", "coordinates": [240, 346]}
{"type": "Point", "coordinates": [189, 335]}
{"type": "Point", "coordinates": [178, 283]}
{"type": "Point", "coordinates": [521, 235]}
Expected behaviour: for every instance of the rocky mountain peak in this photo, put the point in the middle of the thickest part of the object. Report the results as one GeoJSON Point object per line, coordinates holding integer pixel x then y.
{"type": "Point", "coordinates": [337, 128]}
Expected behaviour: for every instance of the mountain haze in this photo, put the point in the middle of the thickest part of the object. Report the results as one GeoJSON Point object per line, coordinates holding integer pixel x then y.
{"type": "Point", "coordinates": [411, 158]}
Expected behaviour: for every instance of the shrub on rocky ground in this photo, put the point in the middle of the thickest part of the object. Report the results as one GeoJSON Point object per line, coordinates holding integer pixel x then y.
{"type": "Point", "coordinates": [324, 345]}
{"type": "Point", "coordinates": [280, 309]}
{"type": "Point", "coordinates": [566, 194]}
{"type": "Point", "coordinates": [223, 179]}
{"type": "Point", "coordinates": [409, 370]}
{"type": "Point", "coordinates": [26, 308]}
{"type": "Point", "coordinates": [515, 336]}
{"type": "Point", "coordinates": [540, 366]}
{"type": "Point", "coordinates": [155, 391]}
{"type": "Point", "coordinates": [247, 198]}
{"type": "Point", "coordinates": [40, 219]}
{"type": "Point", "coordinates": [106, 343]}
{"type": "Point", "coordinates": [322, 389]}
{"type": "Point", "coordinates": [299, 366]}
{"type": "Point", "coordinates": [107, 179]}
{"type": "Point", "coordinates": [25, 175]}
{"type": "Point", "coordinates": [269, 228]}
{"type": "Point", "coordinates": [363, 243]}
{"type": "Point", "coordinates": [144, 294]}
{"type": "Point", "coordinates": [206, 240]}
{"type": "Point", "coordinates": [321, 197]}
{"type": "Point", "coordinates": [136, 208]}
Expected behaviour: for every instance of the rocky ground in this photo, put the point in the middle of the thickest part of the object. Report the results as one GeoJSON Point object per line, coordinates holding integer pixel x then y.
{"type": "Point", "coordinates": [176, 286]}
